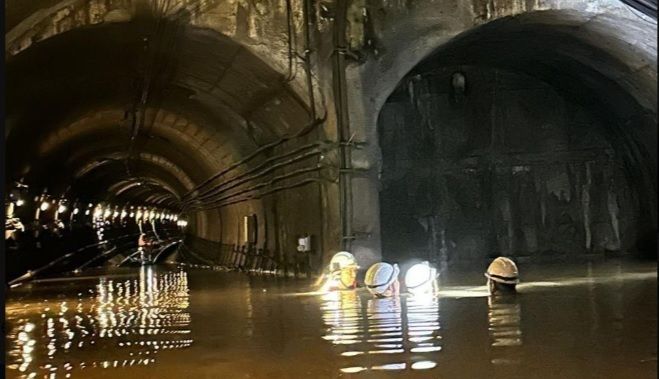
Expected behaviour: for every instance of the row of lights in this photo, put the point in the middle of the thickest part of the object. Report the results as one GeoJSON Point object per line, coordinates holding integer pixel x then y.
{"type": "Point", "coordinates": [99, 212]}
{"type": "Point", "coordinates": [138, 213]}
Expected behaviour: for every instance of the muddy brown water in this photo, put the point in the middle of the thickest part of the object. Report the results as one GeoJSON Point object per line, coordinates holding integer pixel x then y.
{"type": "Point", "coordinates": [590, 320]}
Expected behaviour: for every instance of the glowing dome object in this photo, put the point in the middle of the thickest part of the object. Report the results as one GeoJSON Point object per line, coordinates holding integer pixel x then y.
{"type": "Point", "coordinates": [421, 278]}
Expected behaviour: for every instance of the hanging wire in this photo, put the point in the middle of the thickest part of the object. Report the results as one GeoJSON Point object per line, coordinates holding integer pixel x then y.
{"type": "Point", "coordinates": [650, 8]}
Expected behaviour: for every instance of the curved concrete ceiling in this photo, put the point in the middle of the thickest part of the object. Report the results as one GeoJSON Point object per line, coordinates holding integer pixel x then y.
{"type": "Point", "coordinates": [74, 101]}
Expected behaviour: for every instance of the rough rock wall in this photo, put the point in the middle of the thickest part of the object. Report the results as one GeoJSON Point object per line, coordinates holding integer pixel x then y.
{"type": "Point", "coordinates": [509, 167]}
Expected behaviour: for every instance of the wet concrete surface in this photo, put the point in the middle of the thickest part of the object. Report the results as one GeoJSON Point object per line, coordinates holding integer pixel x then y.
{"type": "Point", "coordinates": [590, 320]}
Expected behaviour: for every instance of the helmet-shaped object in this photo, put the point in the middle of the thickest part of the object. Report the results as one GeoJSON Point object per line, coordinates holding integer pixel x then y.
{"type": "Point", "coordinates": [380, 276]}
{"type": "Point", "coordinates": [420, 277]}
{"type": "Point", "coordinates": [342, 260]}
{"type": "Point", "coordinates": [503, 270]}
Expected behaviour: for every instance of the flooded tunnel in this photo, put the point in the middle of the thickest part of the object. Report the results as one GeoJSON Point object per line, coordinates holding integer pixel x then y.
{"type": "Point", "coordinates": [294, 189]}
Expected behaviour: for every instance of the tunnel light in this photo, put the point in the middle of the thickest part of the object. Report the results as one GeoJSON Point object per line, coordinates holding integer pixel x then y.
{"type": "Point", "coordinates": [76, 211]}
{"type": "Point", "coordinates": [139, 214]}
{"type": "Point", "coordinates": [44, 206]}
{"type": "Point", "coordinates": [107, 213]}
{"type": "Point", "coordinates": [115, 214]}
{"type": "Point", "coordinates": [123, 214]}
{"type": "Point", "coordinates": [421, 279]}
{"type": "Point", "coordinates": [61, 208]}
{"type": "Point", "coordinates": [87, 212]}
{"type": "Point", "coordinates": [175, 218]}
{"type": "Point", "coordinates": [131, 215]}
{"type": "Point", "coordinates": [19, 202]}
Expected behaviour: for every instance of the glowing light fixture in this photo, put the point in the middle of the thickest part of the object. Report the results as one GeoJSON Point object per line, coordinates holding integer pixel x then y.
{"type": "Point", "coordinates": [61, 208]}
{"type": "Point", "coordinates": [44, 206]}
{"type": "Point", "coordinates": [76, 211]}
{"type": "Point", "coordinates": [421, 278]}
{"type": "Point", "coordinates": [19, 202]}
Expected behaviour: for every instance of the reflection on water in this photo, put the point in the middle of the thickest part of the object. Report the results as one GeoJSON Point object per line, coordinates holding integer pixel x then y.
{"type": "Point", "coordinates": [567, 321]}
{"type": "Point", "coordinates": [390, 334]}
{"type": "Point", "coordinates": [129, 320]}
{"type": "Point", "coordinates": [504, 320]}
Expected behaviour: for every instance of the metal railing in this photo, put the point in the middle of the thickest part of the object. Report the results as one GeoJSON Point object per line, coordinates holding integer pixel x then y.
{"type": "Point", "coordinates": [249, 259]}
{"type": "Point", "coordinates": [111, 246]}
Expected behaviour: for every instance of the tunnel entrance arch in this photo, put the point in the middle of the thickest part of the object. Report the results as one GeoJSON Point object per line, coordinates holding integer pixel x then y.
{"type": "Point", "coordinates": [496, 144]}
{"type": "Point", "coordinates": [219, 113]}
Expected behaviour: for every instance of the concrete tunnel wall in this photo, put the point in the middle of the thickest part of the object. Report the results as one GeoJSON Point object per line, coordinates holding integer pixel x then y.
{"type": "Point", "coordinates": [609, 46]}
{"type": "Point", "coordinates": [229, 93]}
{"type": "Point", "coordinates": [511, 167]}
{"type": "Point", "coordinates": [233, 86]}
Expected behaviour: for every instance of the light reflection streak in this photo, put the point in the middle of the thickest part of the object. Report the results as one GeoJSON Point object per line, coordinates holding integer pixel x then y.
{"type": "Point", "coordinates": [386, 334]}
{"type": "Point", "coordinates": [589, 280]}
{"type": "Point", "coordinates": [130, 320]}
{"type": "Point", "coordinates": [504, 320]}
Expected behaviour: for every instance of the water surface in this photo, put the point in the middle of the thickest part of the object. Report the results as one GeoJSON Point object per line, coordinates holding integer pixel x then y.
{"type": "Point", "coordinates": [596, 320]}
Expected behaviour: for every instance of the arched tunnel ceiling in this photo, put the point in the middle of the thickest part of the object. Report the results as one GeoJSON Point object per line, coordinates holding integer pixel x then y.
{"type": "Point", "coordinates": [566, 56]}
{"type": "Point", "coordinates": [620, 88]}
{"type": "Point", "coordinates": [210, 102]}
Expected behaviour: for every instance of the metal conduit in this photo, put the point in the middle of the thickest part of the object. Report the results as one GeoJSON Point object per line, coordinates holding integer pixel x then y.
{"type": "Point", "coordinates": [261, 185]}
{"type": "Point", "coordinates": [273, 190]}
{"type": "Point", "coordinates": [647, 7]}
{"type": "Point", "coordinates": [341, 108]}
{"type": "Point", "coordinates": [208, 193]}
{"type": "Point", "coordinates": [305, 130]}
{"type": "Point", "coordinates": [261, 174]}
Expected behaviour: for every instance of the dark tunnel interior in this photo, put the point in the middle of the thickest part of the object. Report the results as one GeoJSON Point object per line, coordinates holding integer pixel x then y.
{"type": "Point", "coordinates": [155, 112]}
{"type": "Point", "coordinates": [330, 189]}
{"type": "Point", "coordinates": [89, 81]}
{"type": "Point", "coordinates": [516, 139]}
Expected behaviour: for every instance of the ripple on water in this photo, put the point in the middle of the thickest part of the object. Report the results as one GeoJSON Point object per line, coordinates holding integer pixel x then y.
{"type": "Point", "coordinates": [118, 323]}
